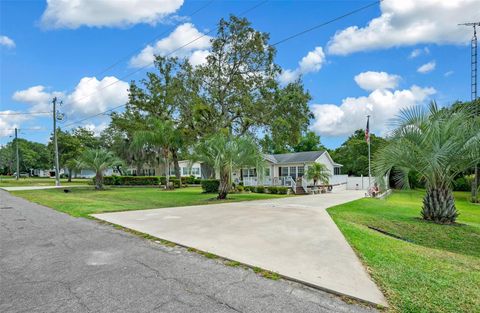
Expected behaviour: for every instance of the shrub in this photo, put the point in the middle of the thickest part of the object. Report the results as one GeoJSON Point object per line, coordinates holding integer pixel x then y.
{"type": "Point", "coordinates": [260, 189]}
{"type": "Point", "coordinates": [273, 190]}
{"type": "Point", "coordinates": [176, 182]}
{"type": "Point", "coordinates": [247, 188]}
{"type": "Point", "coordinates": [282, 190]}
{"type": "Point", "coordinates": [197, 181]}
{"type": "Point", "coordinates": [210, 185]}
{"type": "Point", "coordinates": [461, 184]}
{"type": "Point", "coordinates": [188, 179]}
{"type": "Point", "coordinates": [240, 188]}
{"type": "Point", "coordinates": [109, 180]}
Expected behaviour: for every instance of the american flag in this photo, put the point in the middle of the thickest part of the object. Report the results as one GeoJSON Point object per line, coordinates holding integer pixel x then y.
{"type": "Point", "coordinates": [367, 130]}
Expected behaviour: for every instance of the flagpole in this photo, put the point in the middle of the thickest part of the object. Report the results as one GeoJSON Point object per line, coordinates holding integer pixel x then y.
{"type": "Point", "coordinates": [369, 162]}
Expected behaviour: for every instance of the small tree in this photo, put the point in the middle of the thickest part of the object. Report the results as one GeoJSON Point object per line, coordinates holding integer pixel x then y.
{"type": "Point", "coordinates": [318, 172]}
{"type": "Point", "coordinates": [162, 137]}
{"type": "Point", "coordinates": [438, 144]}
{"type": "Point", "coordinates": [227, 153]}
{"type": "Point", "coordinates": [98, 160]}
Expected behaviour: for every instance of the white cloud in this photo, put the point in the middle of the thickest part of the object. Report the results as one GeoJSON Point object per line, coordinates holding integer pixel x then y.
{"type": "Point", "coordinates": [427, 67]}
{"type": "Point", "coordinates": [409, 22]}
{"type": "Point", "coordinates": [376, 80]}
{"type": "Point", "coordinates": [381, 104]}
{"type": "Point", "coordinates": [110, 13]}
{"type": "Point", "coordinates": [91, 96]}
{"type": "Point", "coordinates": [446, 74]}
{"type": "Point", "coordinates": [7, 42]}
{"type": "Point", "coordinates": [184, 34]}
{"type": "Point", "coordinates": [8, 123]}
{"type": "Point", "coordinates": [37, 97]}
{"type": "Point", "coordinates": [198, 57]}
{"type": "Point", "coordinates": [96, 128]}
{"type": "Point", "coordinates": [418, 52]}
{"type": "Point", "coordinates": [310, 63]}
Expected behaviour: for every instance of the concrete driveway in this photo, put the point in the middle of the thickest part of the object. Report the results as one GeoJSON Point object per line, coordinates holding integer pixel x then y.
{"type": "Point", "coordinates": [293, 236]}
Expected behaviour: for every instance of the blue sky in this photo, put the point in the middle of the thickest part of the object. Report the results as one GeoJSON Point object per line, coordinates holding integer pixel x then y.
{"type": "Point", "coordinates": [64, 52]}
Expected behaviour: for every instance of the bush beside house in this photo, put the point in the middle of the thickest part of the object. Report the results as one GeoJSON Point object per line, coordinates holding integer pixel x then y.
{"type": "Point", "coordinates": [210, 185]}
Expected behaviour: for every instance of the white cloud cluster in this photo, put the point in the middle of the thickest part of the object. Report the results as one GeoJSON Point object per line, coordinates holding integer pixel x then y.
{"type": "Point", "coordinates": [37, 97]}
{"type": "Point", "coordinates": [427, 67]}
{"type": "Point", "coordinates": [196, 50]}
{"type": "Point", "coordinates": [110, 13]}
{"type": "Point", "coordinates": [7, 42]}
{"type": "Point", "coordinates": [409, 22]}
{"type": "Point", "coordinates": [381, 104]}
{"type": "Point", "coordinates": [418, 52]}
{"type": "Point", "coordinates": [90, 96]}
{"type": "Point", "coordinates": [376, 80]}
{"type": "Point", "coordinates": [8, 123]}
{"type": "Point", "coordinates": [310, 63]}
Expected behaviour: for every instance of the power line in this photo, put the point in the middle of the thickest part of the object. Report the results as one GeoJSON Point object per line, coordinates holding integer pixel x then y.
{"type": "Point", "coordinates": [148, 65]}
{"type": "Point", "coordinates": [25, 113]}
{"type": "Point", "coordinates": [328, 22]}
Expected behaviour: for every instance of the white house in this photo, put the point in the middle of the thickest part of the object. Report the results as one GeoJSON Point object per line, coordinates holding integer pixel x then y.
{"type": "Point", "coordinates": [289, 169]}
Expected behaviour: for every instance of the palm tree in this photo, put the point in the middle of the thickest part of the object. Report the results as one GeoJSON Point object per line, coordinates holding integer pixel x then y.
{"type": "Point", "coordinates": [226, 154]}
{"type": "Point", "coordinates": [318, 172]}
{"type": "Point", "coordinates": [438, 144]}
{"type": "Point", "coordinates": [98, 160]}
{"type": "Point", "coordinates": [161, 136]}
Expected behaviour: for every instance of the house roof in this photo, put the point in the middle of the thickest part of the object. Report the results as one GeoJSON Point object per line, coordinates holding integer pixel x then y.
{"type": "Point", "coordinates": [296, 157]}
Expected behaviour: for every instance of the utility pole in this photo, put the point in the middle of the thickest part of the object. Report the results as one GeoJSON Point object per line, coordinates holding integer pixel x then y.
{"type": "Point", "coordinates": [57, 165]}
{"type": "Point", "coordinates": [17, 154]}
{"type": "Point", "coordinates": [474, 72]}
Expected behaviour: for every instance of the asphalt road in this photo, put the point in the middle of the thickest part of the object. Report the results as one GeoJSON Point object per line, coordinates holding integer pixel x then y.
{"type": "Point", "coordinates": [52, 262]}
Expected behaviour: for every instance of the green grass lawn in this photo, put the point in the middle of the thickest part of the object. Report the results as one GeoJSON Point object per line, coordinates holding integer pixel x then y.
{"type": "Point", "coordinates": [37, 181]}
{"type": "Point", "coordinates": [83, 201]}
{"type": "Point", "coordinates": [437, 268]}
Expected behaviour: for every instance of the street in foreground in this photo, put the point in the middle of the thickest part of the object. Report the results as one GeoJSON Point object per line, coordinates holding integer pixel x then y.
{"type": "Point", "coordinates": [54, 262]}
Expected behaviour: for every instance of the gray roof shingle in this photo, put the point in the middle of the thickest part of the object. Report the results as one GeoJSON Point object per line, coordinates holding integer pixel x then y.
{"type": "Point", "coordinates": [295, 157]}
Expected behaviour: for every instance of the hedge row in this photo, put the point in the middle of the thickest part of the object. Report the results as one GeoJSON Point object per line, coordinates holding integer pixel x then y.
{"type": "Point", "coordinates": [271, 189]}
{"type": "Point", "coordinates": [131, 180]}
{"type": "Point", "coordinates": [138, 180]}
{"type": "Point", "coordinates": [211, 186]}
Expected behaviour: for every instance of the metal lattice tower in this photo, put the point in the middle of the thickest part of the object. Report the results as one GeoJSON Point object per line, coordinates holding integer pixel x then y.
{"type": "Point", "coordinates": [474, 62]}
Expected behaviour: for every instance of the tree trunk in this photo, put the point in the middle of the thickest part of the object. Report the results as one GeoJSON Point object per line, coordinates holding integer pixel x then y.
{"type": "Point", "coordinates": [439, 206]}
{"type": "Point", "coordinates": [475, 183]}
{"type": "Point", "coordinates": [70, 171]}
{"type": "Point", "coordinates": [224, 186]}
{"type": "Point", "coordinates": [98, 181]}
{"type": "Point", "coordinates": [175, 163]}
{"type": "Point", "coordinates": [139, 169]}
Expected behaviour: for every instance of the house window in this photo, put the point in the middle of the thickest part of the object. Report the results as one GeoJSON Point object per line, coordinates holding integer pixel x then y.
{"type": "Point", "coordinates": [300, 171]}
{"type": "Point", "coordinates": [185, 171]}
{"type": "Point", "coordinates": [293, 172]}
{"type": "Point", "coordinates": [196, 171]}
{"type": "Point", "coordinates": [283, 171]}
{"type": "Point", "coordinates": [336, 171]}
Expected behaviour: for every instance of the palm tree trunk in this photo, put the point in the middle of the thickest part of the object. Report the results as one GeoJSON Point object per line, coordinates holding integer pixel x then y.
{"type": "Point", "coordinates": [439, 206]}
{"type": "Point", "coordinates": [98, 181]}
{"type": "Point", "coordinates": [224, 186]}
{"type": "Point", "coordinates": [175, 163]}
